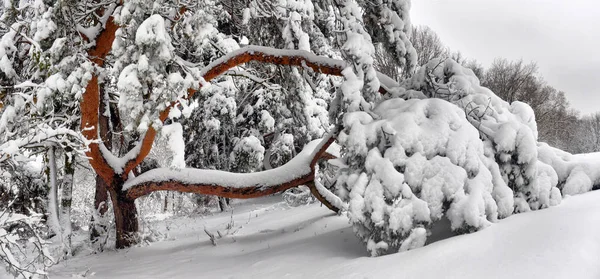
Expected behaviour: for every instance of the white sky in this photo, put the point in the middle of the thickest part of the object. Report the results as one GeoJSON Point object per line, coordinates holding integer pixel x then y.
{"type": "Point", "coordinates": [562, 36]}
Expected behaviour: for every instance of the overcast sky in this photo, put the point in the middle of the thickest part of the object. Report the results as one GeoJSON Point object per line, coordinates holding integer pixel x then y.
{"type": "Point", "coordinates": [562, 36]}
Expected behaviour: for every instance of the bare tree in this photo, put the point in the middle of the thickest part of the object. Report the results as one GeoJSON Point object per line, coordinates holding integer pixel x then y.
{"type": "Point", "coordinates": [428, 44]}
{"type": "Point", "coordinates": [508, 79]}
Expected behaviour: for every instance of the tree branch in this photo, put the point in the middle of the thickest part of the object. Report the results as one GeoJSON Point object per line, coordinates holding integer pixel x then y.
{"type": "Point", "coordinates": [299, 171]}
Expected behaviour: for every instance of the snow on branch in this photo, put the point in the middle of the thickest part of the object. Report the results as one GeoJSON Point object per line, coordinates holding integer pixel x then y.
{"type": "Point", "coordinates": [12, 147]}
{"type": "Point", "coordinates": [300, 170]}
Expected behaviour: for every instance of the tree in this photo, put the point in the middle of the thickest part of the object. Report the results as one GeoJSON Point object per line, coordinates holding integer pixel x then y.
{"type": "Point", "coordinates": [140, 55]}
{"type": "Point", "coordinates": [427, 44]}
{"type": "Point", "coordinates": [508, 79]}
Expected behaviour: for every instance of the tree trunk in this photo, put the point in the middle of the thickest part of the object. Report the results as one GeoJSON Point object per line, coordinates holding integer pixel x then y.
{"type": "Point", "coordinates": [166, 204]}
{"type": "Point", "coordinates": [66, 201]}
{"type": "Point", "coordinates": [126, 221]}
{"type": "Point", "coordinates": [53, 193]}
{"type": "Point", "coordinates": [223, 204]}
{"type": "Point", "coordinates": [98, 225]}
{"type": "Point", "coordinates": [100, 207]}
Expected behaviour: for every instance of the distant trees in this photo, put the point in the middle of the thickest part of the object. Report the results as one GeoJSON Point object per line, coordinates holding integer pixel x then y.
{"type": "Point", "coordinates": [509, 79]}
{"type": "Point", "coordinates": [585, 134]}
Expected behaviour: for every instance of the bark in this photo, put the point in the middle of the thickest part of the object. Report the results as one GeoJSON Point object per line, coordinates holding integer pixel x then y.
{"type": "Point", "coordinates": [126, 222]}
{"type": "Point", "coordinates": [323, 200]}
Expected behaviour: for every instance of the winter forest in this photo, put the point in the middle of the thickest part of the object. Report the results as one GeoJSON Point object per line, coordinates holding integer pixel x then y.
{"type": "Point", "coordinates": [217, 132]}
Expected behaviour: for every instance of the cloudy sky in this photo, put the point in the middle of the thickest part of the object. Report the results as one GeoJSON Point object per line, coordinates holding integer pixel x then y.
{"type": "Point", "coordinates": [562, 36]}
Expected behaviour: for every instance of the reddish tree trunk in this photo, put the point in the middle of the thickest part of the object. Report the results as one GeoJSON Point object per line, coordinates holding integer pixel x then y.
{"type": "Point", "coordinates": [101, 195]}
{"type": "Point", "coordinates": [126, 221]}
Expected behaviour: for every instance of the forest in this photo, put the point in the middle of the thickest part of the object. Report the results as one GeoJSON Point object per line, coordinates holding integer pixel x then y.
{"type": "Point", "coordinates": [114, 112]}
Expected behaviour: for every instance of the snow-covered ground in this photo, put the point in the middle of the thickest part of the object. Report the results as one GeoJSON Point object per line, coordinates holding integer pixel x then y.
{"type": "Point", "coordinates": [276, 241]}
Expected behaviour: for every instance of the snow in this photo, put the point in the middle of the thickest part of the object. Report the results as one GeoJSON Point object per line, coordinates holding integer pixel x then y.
{"type": "Point", "coordinates": [395, 21]}
{"type": "Point", "coordinates": [246, 16]}
{"type": "Point", "coordinates": [508, 131]}
{"type": "Point", "coordinates": [152, 32]}
{"type": "Point", "coordinates": [328, 195]}
{"type": "Point", "coordinates": [276, 241]}
{"type": "Point", "coordinates": [7, 116]}
{"type": "Point", "coordinates": [577, 173]}
{"type": "Point", "coordinates": [423, 160]}
{"type": "Point", "coordinates": [44, 27]}
{"type": "Point", "coordinates": [173, 133]}
{"type": "Point", "coordinates": [12, 147]}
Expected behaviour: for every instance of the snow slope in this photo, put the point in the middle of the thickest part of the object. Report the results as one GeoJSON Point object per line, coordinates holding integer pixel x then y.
{"type": "Point", "coordinates": [277, 241]}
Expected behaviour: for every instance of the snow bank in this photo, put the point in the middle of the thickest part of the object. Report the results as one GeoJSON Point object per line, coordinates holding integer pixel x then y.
{"type": "Point", "coordinates": [443, 145]}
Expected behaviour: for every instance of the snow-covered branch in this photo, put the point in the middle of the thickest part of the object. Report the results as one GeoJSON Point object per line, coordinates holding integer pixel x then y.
{"type": "Point", "coordinates": [300, 170]}
{"type": "Point", "coordinates": [12, 147]}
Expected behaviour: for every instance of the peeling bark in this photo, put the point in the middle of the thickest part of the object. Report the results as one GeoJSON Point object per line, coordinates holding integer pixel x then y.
{"type": "Point", "coordinates": [226, 191]}
{"type": "Point", "coordinates": [101, 194]}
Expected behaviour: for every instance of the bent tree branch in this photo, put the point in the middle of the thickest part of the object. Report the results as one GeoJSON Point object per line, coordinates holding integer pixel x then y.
{"type": "Point", "coordinates": [299, 171]}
